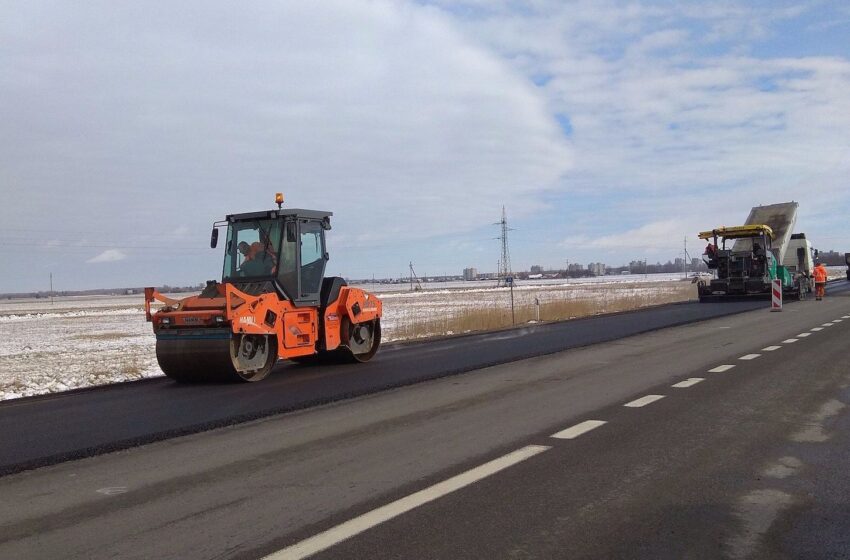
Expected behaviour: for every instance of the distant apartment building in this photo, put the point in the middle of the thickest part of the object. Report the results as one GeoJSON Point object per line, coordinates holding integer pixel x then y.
{"type": "Point", "coordinates": [536, 269]}
{"type": "Point", "coordinates": [597, 269]}
{"type": "Point", "coordinates": [679, 263]}
{"type": "Point", "coordinates": [575, 267]}
{"type": "Point", "coordinates": [470, 273]}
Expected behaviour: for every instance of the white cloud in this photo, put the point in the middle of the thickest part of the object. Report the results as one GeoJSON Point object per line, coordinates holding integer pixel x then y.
{"type": "Point", "coordinates": [109, 255]}
{"type": "Point", "coordinates": [656, 236]}
{"type": "Point", "coordinates": [383, 112]}
{"type": "Point", "coordinates": [668, 105]}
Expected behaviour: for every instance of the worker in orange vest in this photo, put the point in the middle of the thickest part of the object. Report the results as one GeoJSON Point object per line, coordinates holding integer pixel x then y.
{"type": "Point", "coordinates": [820, 280]}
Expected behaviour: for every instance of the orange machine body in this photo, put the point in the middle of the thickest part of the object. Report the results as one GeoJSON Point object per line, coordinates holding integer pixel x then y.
{"type": "Point", "coordinates": [273, 302]}
{"type": "Point", "coordinates": [299, 331]}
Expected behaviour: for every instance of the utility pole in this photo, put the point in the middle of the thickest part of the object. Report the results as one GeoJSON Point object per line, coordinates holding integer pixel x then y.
{"type": "Point", "coordinates": [51, 288]}
{"type": "Point", "coordinates": [414, 281]}
{"type": "Point", "coordinates": [505, 262]}
{"type": "Point", "coordinates": [513, 313]}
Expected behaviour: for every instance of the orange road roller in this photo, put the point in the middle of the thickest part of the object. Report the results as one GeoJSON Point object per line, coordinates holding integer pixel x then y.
{"type": "Point", "coordinates": [273, 302]}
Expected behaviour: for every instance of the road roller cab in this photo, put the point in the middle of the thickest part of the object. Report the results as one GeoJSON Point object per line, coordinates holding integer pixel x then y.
{"type": "Point", "coordinates": [273, 302]}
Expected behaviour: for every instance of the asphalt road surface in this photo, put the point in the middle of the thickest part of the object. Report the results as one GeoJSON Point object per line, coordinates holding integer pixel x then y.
{"type": "Point", "coordinates": [67, 426]}
{"type": "Point", "coordinates": [725, 438]}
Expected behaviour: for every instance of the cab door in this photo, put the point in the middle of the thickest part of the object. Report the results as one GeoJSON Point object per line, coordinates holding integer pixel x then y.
{"type": "Point", "coordinates": [311, 262]}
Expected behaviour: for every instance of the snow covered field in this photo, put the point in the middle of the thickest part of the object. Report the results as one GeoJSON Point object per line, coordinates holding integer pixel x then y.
{"type": "Point", "coordinates": [76, 342]}
{"type": "Point", "coordinates": [83, 341]}
{"type": "Point", "coordinates": [463, 285]}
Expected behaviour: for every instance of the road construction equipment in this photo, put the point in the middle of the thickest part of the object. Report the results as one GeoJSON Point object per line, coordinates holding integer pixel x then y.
{"type": "Point", "coordinates": [847, 260]}
{"type": "Point", "coordinates": [758, 255]}
{"type": "Point", "coordinates": [800, 260]}
{"type": "Point", "coordinates": [273, 302]}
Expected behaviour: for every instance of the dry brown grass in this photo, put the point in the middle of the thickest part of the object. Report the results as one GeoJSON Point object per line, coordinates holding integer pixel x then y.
{"type": "Point", "coordinates": [492, 317]}
{"type": "Point", "coordinates": [132, 370]}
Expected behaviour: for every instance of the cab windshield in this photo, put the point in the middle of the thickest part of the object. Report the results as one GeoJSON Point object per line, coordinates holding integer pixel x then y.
{"type": "Point", "coordinates": [252, 249]}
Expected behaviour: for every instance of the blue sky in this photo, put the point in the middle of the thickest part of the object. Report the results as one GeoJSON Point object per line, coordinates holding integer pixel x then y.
{"type": "Point", "coordinates": [609, 130]}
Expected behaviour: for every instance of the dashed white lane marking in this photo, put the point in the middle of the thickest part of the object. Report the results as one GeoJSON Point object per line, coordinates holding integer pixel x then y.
{"type": "Point", "coordinates": [690, 382]}
{"type": "Point", "coordinates": [790, 340]}
{"type": "Point", "coordinates": [826, 325]}
{"type": "Point", "coordinates": [721, 369]}
{"type": "Point", "coordinates": [643, 401]}
{"type": "Point", "coordinates": [837, 320]}
{"type": "Point", "coordinates": [770, 348]}
{"type": "Point", "coordinates": [816, 329]}
{"type": "Point", "coordinates": [112, 490]}
{"type": "Point", "coordinates": [845, 316]}
{"type": "Point", "coordinates": [355, 526]}
{"type": "Point", "coordinates": [804, 335]}
{"type": "Point", "coordinates": [579, 429]}
{"type": "Point", "coordinates": [749, 356]}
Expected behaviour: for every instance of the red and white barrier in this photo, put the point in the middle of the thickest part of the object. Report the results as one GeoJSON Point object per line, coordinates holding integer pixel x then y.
{"type": "Point", "coordinates": [776, 295]}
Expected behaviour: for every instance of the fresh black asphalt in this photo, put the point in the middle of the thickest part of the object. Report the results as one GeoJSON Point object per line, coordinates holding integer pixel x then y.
{"type": "Point", "coordinates": [50, 429]}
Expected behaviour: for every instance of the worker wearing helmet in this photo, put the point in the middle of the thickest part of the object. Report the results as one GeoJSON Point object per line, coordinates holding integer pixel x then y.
{"type": "Point", "coordinates": [820, 280]}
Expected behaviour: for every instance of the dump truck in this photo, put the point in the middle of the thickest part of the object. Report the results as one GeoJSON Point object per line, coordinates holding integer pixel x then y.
{"type": "Point", "coordinates": [758, 254]}
{"type": "Point", "coordinates": [800, 260]}
{"type": "Point", "coordinates": [273, 302]}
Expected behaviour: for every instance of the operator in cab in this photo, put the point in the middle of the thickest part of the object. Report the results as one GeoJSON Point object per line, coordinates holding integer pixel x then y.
{"type": "Point", "coordinates": [258, 262]}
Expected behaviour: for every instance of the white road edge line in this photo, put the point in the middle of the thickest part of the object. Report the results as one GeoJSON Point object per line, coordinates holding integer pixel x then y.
{"type": "Point", "coordinates": [790, 340]}
{"type": "Point", "coordinates": [749, 356]}
{"type": "Point", "coordinates": [643, 401]}
{"type": "Point", "coordinates": [579, 429]}
{"type": "Point", "coordinates": [721, 369]}
{"type": "Point", "coordinates": [770, 348]}
{"type": "Point", "coordinates": [690, 382]}
{"type": "Point", "coordinates": [352, 527]}
{"type": "Point", "coordinates": [804, 335]}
